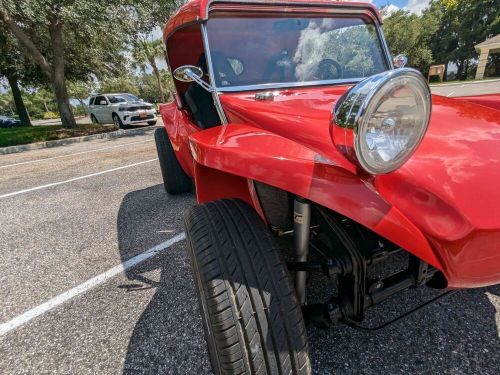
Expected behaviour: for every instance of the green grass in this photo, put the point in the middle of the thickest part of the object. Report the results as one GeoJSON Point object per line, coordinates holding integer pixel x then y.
{"type": "Point", "coordinates": [21, 136]}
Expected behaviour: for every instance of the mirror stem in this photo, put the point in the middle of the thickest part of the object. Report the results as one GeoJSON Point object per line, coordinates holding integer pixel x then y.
{"type": "Point", "coordinates": [199, 81]}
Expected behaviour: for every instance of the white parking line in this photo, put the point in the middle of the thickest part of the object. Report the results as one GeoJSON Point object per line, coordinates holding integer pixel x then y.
{"type": "Point", "coordinates": [74, 179]}
{"type": "Point", "coordinates": [87, 285]}
{"type": "Point", "coordinates": [450, 94]}
{"type": "Point", "coordinates": [75, 153]}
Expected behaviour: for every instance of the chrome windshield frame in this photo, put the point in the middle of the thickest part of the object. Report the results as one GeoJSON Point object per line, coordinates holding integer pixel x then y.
{"type": "Point", "coordinates": [215, 90]}
{"type": "Point", "coordinates": [284, 85]}
{"type": "Point", "coordinates": [272, 86]}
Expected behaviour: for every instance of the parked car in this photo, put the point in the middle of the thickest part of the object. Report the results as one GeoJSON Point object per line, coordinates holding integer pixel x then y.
{"type": "Point", "coordinates": [121, 110]}
{"type": "Point", "coordinates": [292, 122]}
{"type": "Point", "coordinates": [8, 122]}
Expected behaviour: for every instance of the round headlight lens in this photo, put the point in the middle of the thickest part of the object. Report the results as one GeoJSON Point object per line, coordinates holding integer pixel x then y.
{"type": "Point", "coordinates": [389, 114]}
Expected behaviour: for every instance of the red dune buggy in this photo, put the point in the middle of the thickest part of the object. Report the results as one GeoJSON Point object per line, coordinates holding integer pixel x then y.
{"type": "Point", "coordinates": [292, 122]}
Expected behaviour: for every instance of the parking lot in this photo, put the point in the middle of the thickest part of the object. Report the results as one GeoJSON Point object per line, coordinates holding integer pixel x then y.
{"type": "Point", "coordinates": [95, 280]}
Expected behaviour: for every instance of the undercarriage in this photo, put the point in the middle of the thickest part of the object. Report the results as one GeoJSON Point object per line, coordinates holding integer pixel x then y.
{"type": "Point", "coordinates": [345, 252]}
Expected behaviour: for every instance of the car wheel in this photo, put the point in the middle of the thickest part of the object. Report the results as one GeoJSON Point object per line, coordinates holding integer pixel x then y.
{"type": "Point", "coordinates": [94, 120]}
{"type": "Point", "coordinates": [175, 180]}
{"type": "Point", "coordinates": [251, 316]}
{"type": "Point", "coordinates": [151, 123]}
{"type": "Point", "coordinates": [117, 121]}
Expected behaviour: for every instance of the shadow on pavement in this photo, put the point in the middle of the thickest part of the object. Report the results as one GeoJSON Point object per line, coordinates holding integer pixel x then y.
{"type": "Point", "coordinates": [458, 335]}
{"type": "Point", "coordinates": [168, 337]}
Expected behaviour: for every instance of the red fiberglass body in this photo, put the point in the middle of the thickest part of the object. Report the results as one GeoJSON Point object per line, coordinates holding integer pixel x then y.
{"type": "Point", "coordinates": [443, 205]}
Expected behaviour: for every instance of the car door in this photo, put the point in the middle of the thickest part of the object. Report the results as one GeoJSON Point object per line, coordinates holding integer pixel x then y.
{"type": "Point", "coordinates": [99, 108]}
{"type": "Point", "coordinates": [107, 111]}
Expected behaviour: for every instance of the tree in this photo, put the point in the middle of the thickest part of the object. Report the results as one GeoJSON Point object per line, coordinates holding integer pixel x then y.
{"type": "Point", "coordinates": [145, 53]}
{"type": "Point", "coordinates": [71, 39]}
{"type": "Point", "coordinates": [464, 23]}
{"type": "Point", "coordinates": [80, 90]}
{"type": "Point", "coordinates": [148, 88]}
{"type": "Point", "coordinates": [123, 83]}
{"type": "Point", "coordinates": [411, 35]}
{"type": "Point", "coordinates": [10, 66]}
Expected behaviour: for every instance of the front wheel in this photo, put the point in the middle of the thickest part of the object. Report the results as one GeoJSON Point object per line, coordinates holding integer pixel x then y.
{"type": "Point", "coordinates": [117, 121]}
{"type": "Point", "coordinates": [252, 319]}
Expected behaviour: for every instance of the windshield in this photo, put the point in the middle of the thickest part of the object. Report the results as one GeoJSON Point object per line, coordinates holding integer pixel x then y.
{"type": "Point", "coordinates": [256, 51]}
{"type": "Point", "coordinates": [122, 98]}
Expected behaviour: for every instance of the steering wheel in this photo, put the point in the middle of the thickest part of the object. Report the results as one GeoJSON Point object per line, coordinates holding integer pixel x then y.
{"type": "Point", "coordinates": [224, 73]}
{"type": "Point", "coordinates": [280, 64]}
{"type": "Point", "coordinates": [325, 70]}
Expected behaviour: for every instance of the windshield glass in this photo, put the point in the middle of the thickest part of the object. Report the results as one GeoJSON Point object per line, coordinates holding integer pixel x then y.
{"type": "Point", "coordinates": [122, 98]}
{"type": "Point", "coordinates": [255, 51]}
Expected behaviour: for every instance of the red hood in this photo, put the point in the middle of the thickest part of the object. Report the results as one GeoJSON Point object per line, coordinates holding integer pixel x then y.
{"type": "Point", "coordinates": [449, 187]}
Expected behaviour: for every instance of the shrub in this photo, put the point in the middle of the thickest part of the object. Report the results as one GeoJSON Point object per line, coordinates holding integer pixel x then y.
{"type": "Point", "coordinates": [50, 115]}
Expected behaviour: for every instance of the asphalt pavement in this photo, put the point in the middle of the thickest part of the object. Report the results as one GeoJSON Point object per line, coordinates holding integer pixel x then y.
{"type": "Point", "coordinates": [95, 280]}
{"type": "Point", "coordinates": [457, 89]}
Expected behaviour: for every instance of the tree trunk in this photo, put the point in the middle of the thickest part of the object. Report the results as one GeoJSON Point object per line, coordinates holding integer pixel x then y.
{"type": "Point", "coordinates": [62, 99]}
{"type": "Point", "coordinates": [22, 112]}
{"type": "Point", "coordinates": [58, 78]}
{"type": "Point", "coordinates": [158, 78]}
{"type": "Point", "coordinates": [55, 71]}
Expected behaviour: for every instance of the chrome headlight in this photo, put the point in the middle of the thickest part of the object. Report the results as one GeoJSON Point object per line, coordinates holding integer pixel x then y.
{"type": "Point", "coordinates": [380, 122]}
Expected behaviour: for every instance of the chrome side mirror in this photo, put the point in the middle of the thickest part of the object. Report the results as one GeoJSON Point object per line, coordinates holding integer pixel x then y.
{"type": "Point", "coordinates": [186, 73]}
{"type": "Point", "coordinates": [400, 61]}
{"type": "Point", "coordinates": [191, 73]}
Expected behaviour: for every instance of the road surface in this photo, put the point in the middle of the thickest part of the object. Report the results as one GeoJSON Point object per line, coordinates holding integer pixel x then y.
{"type": "Point", "coordinates": [73, 217]}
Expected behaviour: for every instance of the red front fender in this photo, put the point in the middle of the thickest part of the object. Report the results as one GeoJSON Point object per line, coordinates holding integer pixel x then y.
{"type": "Point", "coordinates": [259, 155]}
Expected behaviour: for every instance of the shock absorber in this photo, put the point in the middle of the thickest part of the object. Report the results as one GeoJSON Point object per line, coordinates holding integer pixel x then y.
{"type": "Point", "coordinates": [301, 231]}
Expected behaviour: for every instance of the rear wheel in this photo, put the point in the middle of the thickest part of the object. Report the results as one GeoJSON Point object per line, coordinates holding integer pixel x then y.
{"type": "Point", "coordinates": [175, 180]}
{"type": "Point", "coordinates": [94, 120]}
{"type": "Point", "coordinates": [251, 316]}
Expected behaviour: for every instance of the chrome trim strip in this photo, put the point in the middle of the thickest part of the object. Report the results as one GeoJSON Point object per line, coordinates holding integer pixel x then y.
{"type": "Point", "coordinates": [272, 86]}
{"type": "Point", "coordinates": [385, 47]}
{"type": "Point", "coordinates": [215, 92]}
{"type": "Point", "coordinates": [305, 4]}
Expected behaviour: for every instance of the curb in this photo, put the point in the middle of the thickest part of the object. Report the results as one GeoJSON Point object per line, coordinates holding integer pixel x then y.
{"type": "Point", "coordinates": [67, 141]}
{"type": "Point", "coordinates": [465, 83]}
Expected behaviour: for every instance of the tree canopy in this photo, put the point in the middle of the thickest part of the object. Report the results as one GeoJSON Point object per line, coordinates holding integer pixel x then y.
{"type": "Point", "coordinates": [79, 39]}
{"type": "Point", "coordinates": [445, 32]}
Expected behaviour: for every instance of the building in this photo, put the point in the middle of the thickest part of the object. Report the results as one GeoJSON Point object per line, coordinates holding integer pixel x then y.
{"type": "Point", "coordinates": [489, 46]}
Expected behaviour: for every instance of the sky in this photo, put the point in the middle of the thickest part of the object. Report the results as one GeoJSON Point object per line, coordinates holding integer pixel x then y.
{"type": "Point", "coordinates": [415, 6]}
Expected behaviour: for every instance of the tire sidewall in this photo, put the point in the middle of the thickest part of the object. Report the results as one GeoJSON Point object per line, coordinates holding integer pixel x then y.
{"type": "Point", "coordinates": [117, 121]}
{"type": "Point", "coordinates": [205, 317]}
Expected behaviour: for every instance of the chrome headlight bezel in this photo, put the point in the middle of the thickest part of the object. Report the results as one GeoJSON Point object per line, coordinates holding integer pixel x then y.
{"type": "Point", "coordinates": [353, 111]}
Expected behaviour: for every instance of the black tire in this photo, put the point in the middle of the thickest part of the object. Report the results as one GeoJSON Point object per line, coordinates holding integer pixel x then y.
{"type": "Point", "coordinates": [117, 121]}
{"type": "Point", "coordinates": [94, 120]}
{"type": "Point", "coordinates": [252, 320]}
{"type": "Point", "coordinates": [175, 180]}
{"type": "Point", "coordinates": [151, 123]}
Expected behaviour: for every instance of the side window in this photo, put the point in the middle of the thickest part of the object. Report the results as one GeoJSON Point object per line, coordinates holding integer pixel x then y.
{"type": "Point", "coordinates": [99, 99]}
{"type": "Point", "coordinates": [91, 101]}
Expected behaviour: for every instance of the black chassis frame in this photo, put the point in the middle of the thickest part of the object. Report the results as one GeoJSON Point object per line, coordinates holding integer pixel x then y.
{"type": "Point", "coordinates": [343, 250]}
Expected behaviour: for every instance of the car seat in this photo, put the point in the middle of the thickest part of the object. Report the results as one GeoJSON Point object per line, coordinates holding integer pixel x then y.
{"type": "Point", "coordinates": [200, 101]}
